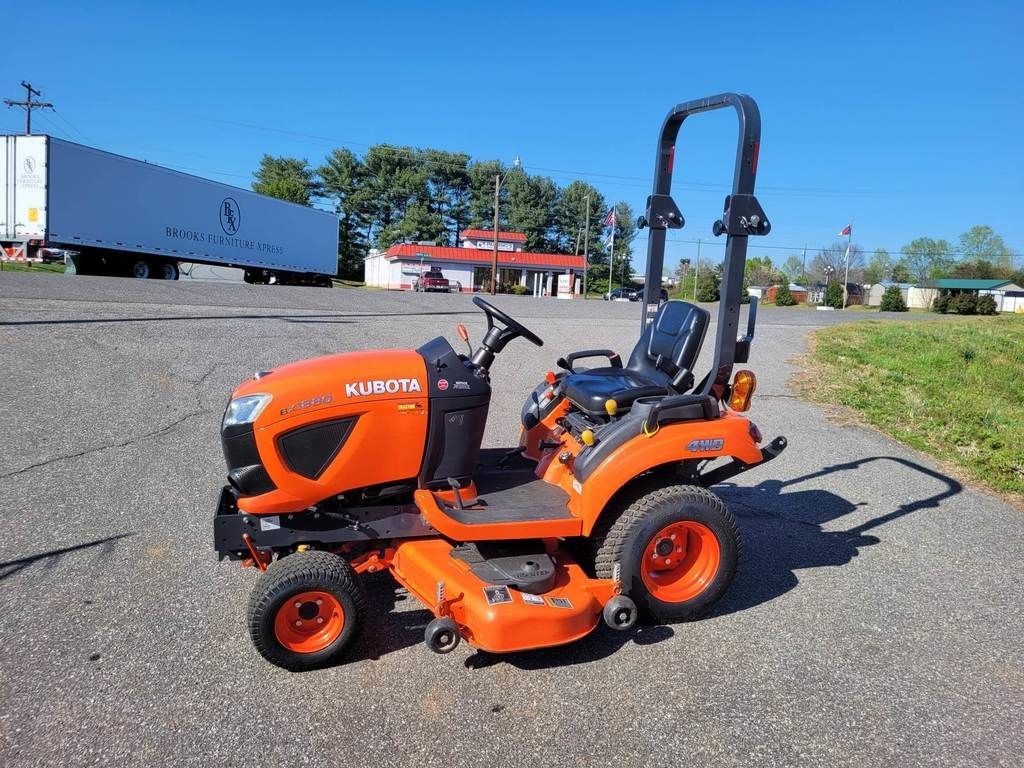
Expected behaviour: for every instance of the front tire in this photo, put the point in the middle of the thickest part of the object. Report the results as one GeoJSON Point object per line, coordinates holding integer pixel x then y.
{"type": "Point", "coordinates": [678, 545]}
{"type": "Point", "coordinates": [305, 610]}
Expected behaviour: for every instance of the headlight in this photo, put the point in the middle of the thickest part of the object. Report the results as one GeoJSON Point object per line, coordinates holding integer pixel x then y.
{"type": "Point", "coordinates": [245, 410]}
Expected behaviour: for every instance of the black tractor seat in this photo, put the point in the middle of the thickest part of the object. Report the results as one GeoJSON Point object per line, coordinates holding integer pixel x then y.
{"type": "Point", "coordinates": [661, 362]}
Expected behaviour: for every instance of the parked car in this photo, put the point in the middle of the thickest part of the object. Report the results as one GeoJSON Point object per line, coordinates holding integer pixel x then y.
{"type": "Point", "coordinates": [623, 294]}
{"type": "Point", "coordinates": [54, 255]}
{"type": "Point", "coordinates": [432, 281]}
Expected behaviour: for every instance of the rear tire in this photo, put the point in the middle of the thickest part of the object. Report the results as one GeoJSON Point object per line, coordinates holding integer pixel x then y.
{"type": "Point", "coordinates": [678, 545]}
{"type": "Point", "coordinates": [167, 270]}
{"type": "Point", "coordinates": [305, 610]}
{"type": "Point", "coordinates": [141, 269]}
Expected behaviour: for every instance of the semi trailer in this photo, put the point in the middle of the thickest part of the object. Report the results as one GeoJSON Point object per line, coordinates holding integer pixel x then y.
{"type": "Point", "coordinates": [114, 215]}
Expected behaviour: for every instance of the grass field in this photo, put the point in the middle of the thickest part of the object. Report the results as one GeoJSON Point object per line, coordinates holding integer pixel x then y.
{"type": "Point", "coordinates": [954, 389]}
{"type": "Point", "coordinates": [14, 266]}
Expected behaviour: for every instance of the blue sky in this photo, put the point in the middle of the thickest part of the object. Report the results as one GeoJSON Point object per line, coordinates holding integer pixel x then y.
{"type": "Point", "coordinates": [904, 117]}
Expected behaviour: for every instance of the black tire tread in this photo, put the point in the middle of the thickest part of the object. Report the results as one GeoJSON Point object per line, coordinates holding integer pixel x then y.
{"type": "Point", "coordinates": [614, 528]}
{"type": "Point", "coordinates": [302, 568]}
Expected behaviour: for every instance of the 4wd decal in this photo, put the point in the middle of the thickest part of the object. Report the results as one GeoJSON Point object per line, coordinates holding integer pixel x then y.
{"type": "Point", "coordinates": [706, 444]}
{"type": "Point", "coordinates": [381, 387]}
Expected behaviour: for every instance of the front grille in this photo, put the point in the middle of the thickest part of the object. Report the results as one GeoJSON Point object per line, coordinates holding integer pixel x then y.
{"type": "Point", "coordinates": [246, 472]}
{"type": "Point", "coordinates": [309, 450]}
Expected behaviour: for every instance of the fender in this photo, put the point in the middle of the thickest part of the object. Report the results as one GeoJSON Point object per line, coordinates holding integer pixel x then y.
{"type": "Point", "coordinates": [728, 436]}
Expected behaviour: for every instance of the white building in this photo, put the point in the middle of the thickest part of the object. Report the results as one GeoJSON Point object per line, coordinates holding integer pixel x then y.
{"type": "Point", "coordinates": [469, 266]}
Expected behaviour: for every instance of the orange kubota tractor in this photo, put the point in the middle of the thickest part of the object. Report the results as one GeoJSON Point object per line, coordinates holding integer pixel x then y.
{"type": "Point", "coordinates": [371, 461]}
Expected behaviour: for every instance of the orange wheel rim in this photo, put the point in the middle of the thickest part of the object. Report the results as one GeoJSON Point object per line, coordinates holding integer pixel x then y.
{"type": "Point", "coordinates": [309, 621]}
{"type": "Point", "coordinates": [680, 561]}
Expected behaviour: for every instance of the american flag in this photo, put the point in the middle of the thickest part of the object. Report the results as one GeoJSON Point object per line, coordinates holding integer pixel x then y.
{"type": "Point", "coordinates": [847, 231]}
{"type": "Point", "coordinates": [609, 220]}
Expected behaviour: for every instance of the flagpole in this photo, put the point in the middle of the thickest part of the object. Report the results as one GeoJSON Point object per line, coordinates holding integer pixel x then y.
{"type": "Point", "coordinates": [611, 260]}
{"type": "Point", "coordinates": [849, 239]}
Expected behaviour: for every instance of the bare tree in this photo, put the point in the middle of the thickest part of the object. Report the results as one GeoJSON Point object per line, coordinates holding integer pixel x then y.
{"type": "Point", "coordinates": [834, 256]}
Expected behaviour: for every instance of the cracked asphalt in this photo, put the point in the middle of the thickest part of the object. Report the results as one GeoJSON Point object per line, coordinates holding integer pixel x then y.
{"type": "Point", "coordinates": [876, 618]}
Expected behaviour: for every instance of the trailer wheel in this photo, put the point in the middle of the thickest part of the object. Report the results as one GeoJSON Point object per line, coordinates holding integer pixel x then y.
{"type": "Point", "coordinates": [305, 610]}
{"type": "Point", "coordinates": [142, 269]}
{"type": "Point", "coordinates": [678, 545]}
{"type": "Point", "coordinates": [167, 270]}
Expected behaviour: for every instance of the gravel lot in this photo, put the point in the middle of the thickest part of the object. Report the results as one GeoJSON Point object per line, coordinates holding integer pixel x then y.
{"type": "Point", "coordinates": [876, 618]}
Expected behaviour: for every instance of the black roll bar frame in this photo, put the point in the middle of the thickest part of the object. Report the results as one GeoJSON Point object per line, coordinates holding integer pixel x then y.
{"type": "Point", "coordinates": [742, 218]}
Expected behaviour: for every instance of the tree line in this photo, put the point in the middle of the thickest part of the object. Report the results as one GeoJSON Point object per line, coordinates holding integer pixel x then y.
{"type": "Point", "coordinates": [394, 194]}
{"type": "Point", "coordinates": [981, 254]}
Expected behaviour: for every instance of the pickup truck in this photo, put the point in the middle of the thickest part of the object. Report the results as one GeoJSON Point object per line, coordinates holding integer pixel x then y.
{"type": "Point", "coordinates": [432, 281]}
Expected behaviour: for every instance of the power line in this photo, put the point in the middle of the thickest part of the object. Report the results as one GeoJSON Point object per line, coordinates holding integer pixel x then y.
{"type": "Point", "coordinates": [613, 179]}
{"type": "Point", "coordinates": [29, 104]}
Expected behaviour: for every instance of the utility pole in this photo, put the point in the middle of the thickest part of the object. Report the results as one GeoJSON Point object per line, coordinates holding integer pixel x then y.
{"type": "Point", "coordinates": [494, 259]}
{"type": "Point", "coordinates": [803, 270]}
{"type": "Point", "coordinates": [846, 279]}
{"type": "Point", "coordinates": [586, 248]}
{"type": "Point", "coordinates": [696, 271]}
{"type": "Point", "coordinates": [29, 105]}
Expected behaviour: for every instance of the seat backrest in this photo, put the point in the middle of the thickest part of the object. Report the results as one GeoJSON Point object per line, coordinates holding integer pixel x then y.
{"type": "Point", "coordinates": [668, 349]}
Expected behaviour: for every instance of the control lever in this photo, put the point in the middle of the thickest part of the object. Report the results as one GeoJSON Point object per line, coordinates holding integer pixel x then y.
{"type": "Point", "coordinates": [463, 334]}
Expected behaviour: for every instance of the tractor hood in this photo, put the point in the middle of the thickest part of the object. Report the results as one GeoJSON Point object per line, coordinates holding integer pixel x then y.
{"type": "Point", "coordinates": [328, 383]}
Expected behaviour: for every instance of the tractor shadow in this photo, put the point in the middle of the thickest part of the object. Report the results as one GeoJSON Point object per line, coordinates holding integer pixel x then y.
{"type": "Point", "coordinates": [783, 531]}
{"type": "Point", "coordinates": [51, 559]}
{"type": "Point", "coordinates": [390, 625]}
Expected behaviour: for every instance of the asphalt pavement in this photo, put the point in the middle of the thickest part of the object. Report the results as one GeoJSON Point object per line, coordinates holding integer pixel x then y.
{"type": "Point", "coordinates": [876, 618]}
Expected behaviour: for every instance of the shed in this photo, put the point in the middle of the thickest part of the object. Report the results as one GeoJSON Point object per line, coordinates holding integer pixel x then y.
{"type": "Point", "coordinates": [798, 291]}
{"type": "Point", "coordinates": [1007, 294]}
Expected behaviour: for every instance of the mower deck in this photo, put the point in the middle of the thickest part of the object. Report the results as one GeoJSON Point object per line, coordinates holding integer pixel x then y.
{"type": "Point", "coordinates": [496, 617]}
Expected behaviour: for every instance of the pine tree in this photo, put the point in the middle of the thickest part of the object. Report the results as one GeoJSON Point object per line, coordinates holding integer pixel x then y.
{"type": "Point", "coordinates": [783, 296]}
{"type": "Point", "coordinates": [892, 300]}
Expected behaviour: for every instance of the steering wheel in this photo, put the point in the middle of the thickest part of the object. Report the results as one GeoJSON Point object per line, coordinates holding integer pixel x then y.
{"type": "Point", "coordinates": [512, 327]}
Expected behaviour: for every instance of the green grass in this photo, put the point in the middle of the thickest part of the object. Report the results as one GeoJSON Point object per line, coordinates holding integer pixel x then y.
{"type": "Point", "coordinates": [14, 266]}
{"type": "Point", "coordinates": [954, 389]}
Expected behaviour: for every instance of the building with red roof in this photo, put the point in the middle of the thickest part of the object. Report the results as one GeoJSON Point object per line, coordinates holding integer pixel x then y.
{"type": "Point", "coordinates": [468, 267]}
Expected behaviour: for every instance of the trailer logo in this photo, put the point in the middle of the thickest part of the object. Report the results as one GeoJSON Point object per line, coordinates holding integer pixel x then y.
{"type": "Point", "coordinates": [30, 165]}
{"type": "Point", "coordinates": [706, 444]}
{"type": "Point", "coordinates": [230, 216]}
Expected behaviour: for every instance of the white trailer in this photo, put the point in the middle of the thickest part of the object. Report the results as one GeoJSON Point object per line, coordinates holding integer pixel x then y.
{"type": "Point", "coordinates": [116, 215]}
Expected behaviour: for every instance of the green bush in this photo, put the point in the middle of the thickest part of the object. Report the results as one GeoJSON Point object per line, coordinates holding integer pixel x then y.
{"type": "Point", "coordinates": [707, 287]}
{"type": "Point", "coordinates": [892, 300]}
{"type": "Point", "coordinates": [941, 304]}
{"type": "Point", "coordinates": [986, 305]}
{"type": "Point", "coordinates": [784, 297]}
{"type": "Point", "coordinates": [964, 304]}
{"type": "Point", "coordinates": [520, 290]}
{"type": "Point", "coordinates": [834, 296]}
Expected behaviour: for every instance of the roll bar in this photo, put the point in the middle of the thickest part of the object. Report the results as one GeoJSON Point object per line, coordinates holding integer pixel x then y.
{"type": "Point", "coordinates": [742, 218]}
